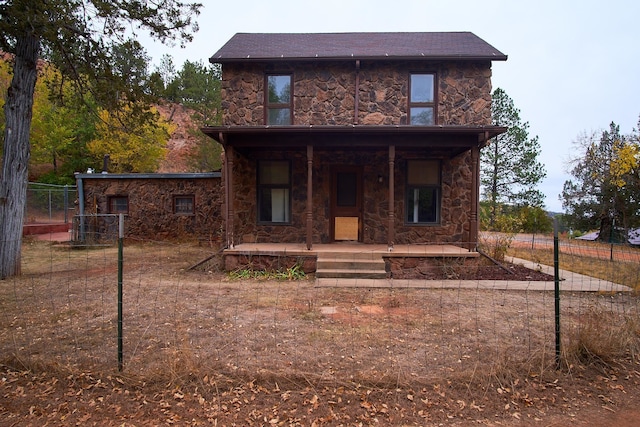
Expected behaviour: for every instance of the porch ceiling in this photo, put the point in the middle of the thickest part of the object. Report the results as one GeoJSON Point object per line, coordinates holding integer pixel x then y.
{"type": "Point", "coordinates": [455, 138]}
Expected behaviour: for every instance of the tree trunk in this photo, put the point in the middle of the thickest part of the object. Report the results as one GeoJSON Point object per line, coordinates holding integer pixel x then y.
{"type": "Point", "coordinates": [15, 159]}
{"type": "Point", "coordinates": [605, 233]}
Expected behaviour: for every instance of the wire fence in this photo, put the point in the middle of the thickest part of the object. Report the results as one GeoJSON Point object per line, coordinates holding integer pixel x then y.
{"type": "Point", "coordinates": [94, 229]}
{"type": "Point", "coordinates": [181, 321]}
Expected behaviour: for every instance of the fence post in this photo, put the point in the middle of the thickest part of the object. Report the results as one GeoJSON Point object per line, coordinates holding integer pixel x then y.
{"type": "Point", "coordinates": [120, 264]}
{"type": "Point", "coordinates": [66, 204]}
{"type": "Point", "coordinates": [556, 273]}
{"type": "Point", "coordinates": [50, 206]}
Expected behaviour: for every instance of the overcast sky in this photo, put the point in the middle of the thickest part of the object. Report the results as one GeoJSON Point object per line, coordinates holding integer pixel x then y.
{"type": "Point", "coordinates": [573, 67]}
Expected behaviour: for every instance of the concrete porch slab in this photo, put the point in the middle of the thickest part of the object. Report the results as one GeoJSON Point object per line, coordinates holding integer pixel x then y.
{"type": "Point", "coordinates": [299, 249]}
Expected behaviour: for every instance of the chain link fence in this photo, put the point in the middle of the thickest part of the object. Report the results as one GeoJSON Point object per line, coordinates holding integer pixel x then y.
{"type": "Point", "coordinates": [49, 203]}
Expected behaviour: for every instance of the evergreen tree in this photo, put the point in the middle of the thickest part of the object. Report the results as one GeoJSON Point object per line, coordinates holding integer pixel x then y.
{"type": "Point", "coordinates": [510, 169]}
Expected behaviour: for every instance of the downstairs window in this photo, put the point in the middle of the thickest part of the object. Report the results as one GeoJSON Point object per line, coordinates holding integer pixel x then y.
{"type": "Point", "coordinates": [274, 189]}
{"type": "Point", "coordinates": [423, 192]}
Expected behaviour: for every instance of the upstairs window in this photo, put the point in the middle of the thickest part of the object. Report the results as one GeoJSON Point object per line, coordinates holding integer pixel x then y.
{"type": "Point", "coordinates": [422, 99]}
{"type": "Point", "coordinates": [118, 204]}
{"type": "Point", "coordinates": [274, 189]}
{"type": "Point", "coordinates": [184, 205]}
{"type": "Point", "coordinates": [279, 111]}
{"type": "Point", "coordinates": [423, 192]}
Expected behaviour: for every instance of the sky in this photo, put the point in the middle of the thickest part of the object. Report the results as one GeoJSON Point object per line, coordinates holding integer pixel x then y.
{"type": "Point", "coordinates": [573, 66]}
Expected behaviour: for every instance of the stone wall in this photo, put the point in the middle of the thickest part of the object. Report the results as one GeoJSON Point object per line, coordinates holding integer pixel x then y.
{"type": "Point", "coordinates": [325, 94]}
{"type": "Point", "coordinates": [150, 198]}
{"type": "Point", "coordinates": [236, 262]}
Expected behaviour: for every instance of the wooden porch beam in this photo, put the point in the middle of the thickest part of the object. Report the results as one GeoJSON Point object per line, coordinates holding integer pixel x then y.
{"type": "Point", "coordinates": [309, 197]}
{"type": "Point", "coordinates": [391, 225]}
{"type": "Point", "coordinates": [475, 199]}
{"type": "Point", "coordinates": [229, 157]}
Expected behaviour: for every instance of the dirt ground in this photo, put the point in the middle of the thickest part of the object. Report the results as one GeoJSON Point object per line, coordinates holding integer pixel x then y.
{"type": "Point", "coordinates": [203, 349]}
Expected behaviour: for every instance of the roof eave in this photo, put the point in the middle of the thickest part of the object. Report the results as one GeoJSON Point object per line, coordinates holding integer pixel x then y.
{"type": "Point", "coordinates": [221, 60]}
{"type": "Point", "coordinates": [153, 175]}
{"type": "Point", "coordinates": [485, 133]}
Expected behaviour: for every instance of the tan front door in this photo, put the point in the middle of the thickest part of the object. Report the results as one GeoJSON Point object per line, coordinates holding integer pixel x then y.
{"type": "Point", "coordinates": [346, 203]}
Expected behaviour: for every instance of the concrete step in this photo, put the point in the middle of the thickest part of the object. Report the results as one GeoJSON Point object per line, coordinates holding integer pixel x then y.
{"type": "Point", "coordinates": [350, 274]}
{"type": "Point", "coordinates": [362, 265]}
{"type": "Point", "coordinates": [346, 264]}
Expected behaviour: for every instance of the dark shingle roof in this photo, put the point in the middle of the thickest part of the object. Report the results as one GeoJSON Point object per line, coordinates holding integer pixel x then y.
{"type": "Point", "coordinates": [305, 46]}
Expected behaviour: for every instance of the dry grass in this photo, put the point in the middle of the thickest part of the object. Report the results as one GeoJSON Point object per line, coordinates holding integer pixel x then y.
{"type": "Point", "coordinates": [181, 326]}
{"type": "Point", "coordinates": [589, 259]}
{"type": "Point", "coordinates": [495, 245]}
{"type": "Point", "coordinates": [600, 337]}
{"type": "Point", "coordinates": [200, 346]}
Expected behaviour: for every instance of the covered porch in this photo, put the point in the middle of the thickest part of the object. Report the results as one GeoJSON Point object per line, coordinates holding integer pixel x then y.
{"type": "Point", "coordinates": [376, 157]}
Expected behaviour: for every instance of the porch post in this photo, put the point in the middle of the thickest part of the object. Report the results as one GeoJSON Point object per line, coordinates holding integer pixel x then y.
{"type": "Point", "coordinates": [392, 215]}
{"type": "Point", "coordinates": [229, 192]}
{"type": "Point", "coordinates": [475, 197]}
{"type": "Point", "coordinates": [309, 196]}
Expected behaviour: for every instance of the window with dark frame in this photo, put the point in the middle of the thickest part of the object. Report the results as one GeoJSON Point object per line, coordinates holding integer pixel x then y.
{"type": "Point", "coordinates": [422, 99]}
{"type": "Point", "coordinates": [184, 205]}
{"type": "Point", "coordinates": [423, 192]}
{"type": "Point", "coordinates": [274, 190]}
{"type": "Point", "coordinates": [279, 104]}
{"type": "Point", "coordinates": [118, 204]}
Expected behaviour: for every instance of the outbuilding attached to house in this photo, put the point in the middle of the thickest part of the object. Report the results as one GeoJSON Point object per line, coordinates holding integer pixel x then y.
{"type": "Point", "coordinates": [157, 206]}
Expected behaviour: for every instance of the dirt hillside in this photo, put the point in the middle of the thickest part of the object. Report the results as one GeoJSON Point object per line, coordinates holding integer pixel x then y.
{"type": "Point", "coordinates": [180, 141]}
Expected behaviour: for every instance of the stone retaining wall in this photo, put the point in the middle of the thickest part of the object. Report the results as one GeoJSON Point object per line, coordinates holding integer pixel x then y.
{"type": "Point", "coordinates": [397, 267]}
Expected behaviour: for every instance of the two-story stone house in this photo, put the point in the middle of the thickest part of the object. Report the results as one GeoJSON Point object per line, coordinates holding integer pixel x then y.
{"type": "Point", "coordinates": [362, 137]}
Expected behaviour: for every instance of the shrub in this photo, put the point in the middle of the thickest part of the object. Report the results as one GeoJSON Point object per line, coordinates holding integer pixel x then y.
{"type": "Point", "coordinates": [496, 245]}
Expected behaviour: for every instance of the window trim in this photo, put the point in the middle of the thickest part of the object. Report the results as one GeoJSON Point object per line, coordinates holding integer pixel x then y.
{"type": "Point", "coordinates": [409, 188]}
{"type": "Point", "coordinates": [269, 106]}
{"type": "Point", "coordinates": [191, 197]}
{"type": "Point", "coordinates": [112, 198]}
{"type": "Point", "coordinates": [433, 104]}
{"type": "Point", "coordinates": [260, 187]}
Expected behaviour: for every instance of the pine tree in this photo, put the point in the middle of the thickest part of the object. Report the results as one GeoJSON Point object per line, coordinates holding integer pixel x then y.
{"type": "Point", "coordinates": [510, 169]}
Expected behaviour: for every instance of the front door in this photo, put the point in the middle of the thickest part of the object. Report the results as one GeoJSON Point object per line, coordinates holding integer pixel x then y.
{"type": "Point", "coordinates": [346, 203]}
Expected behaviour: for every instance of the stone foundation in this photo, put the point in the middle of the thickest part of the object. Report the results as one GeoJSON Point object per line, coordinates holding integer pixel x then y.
{"type": "Point", "coordinates": [237, 262]}
{"type": "Point", "coordinates": [398, 267]}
